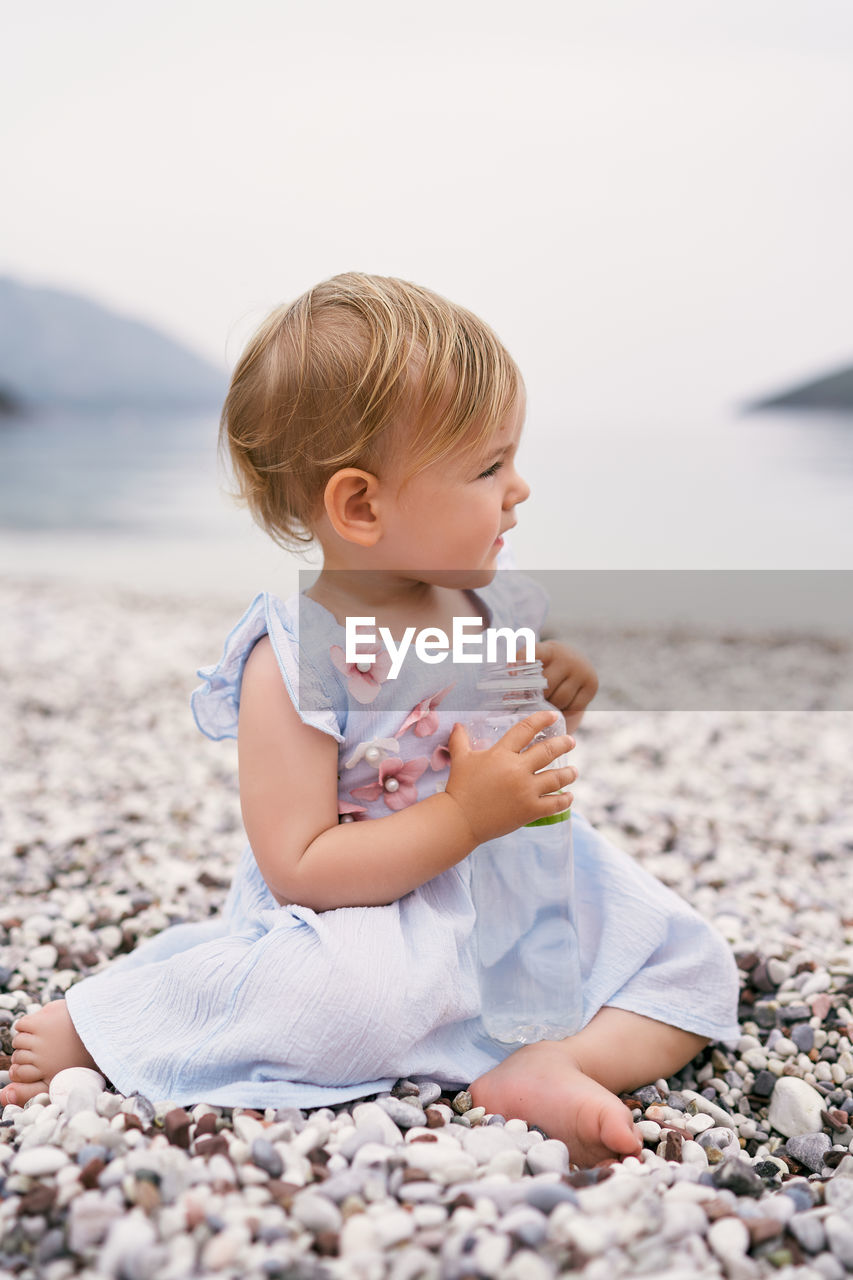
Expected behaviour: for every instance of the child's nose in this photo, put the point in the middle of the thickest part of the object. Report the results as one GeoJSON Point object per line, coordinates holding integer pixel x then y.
{"type": "Point", "coordinates": [518, 491]}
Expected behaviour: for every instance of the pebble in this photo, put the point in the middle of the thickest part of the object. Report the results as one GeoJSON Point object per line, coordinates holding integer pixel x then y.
{"type": "Point", "coordinates": [404, 1114]}
{"type": "Point", "coordinates": [525, 1224]}
{"type": "Point", "coordinates": [370, 1113]}
{"type": "Point", "coordinates": [698, 1103]}
{"type": "Point", "coordinates": [551, 1156]}
{"type": "Point", "coordinates": [803, 1037]}
{"type": "Point", "coordinates": [682, 1219]}
{"type": "Point", "coordinates": [728, 1238]}
{"type": "Point", "coordinates": [808, 1231]}
{"type": "Point", "coordinates": [545, 1196]}
{"type": "Point", "coordinates": [809, 1149]}
{"type": "Point", "coordinates": [717, 1137]}
{"type": "Point", "coordinates": [316, 1212]}
{"type": "Point", "coordinates": [393, 1227]}
{"type": "Point", "coordinates": [839, 1235]}
{"type": "Point", "coordinates": [76, 1088]}
{"type": "Point", "coordinates": [699, 1123]}
{"type": "Point", "coordinates": [738, 1176]}
{"type": "Point", "coordinates": [765, 1083]}
{"type": "Point", "coordinates": [485, 1144]}
{"type": "Point", "coordinates": [37, 1162]}
{"type": "Point", "coordinates": [838, 1193]}
{"type": "Point", "coordinates": [795, 1107]}
{"type": "Point", "coordinates": [90, 1216]}
{"type": "Point", "coordinates": [265, 1156]}
{"type": "Point", "coordinates": [428, 1092]}
{"type": "Point", "coordinates": [136, 1203]}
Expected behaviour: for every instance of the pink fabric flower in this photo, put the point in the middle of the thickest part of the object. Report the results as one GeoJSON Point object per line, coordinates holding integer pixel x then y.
{"type": "Point", "coordinates": [351, 812]}
{"type": "Point", "coordinates": [385, 747]}
{"type": "Point", "coordinates": [405, 775]}
{"type": "Point", "coordinates": [363, 685]}
{"type": "Point", "coordinates": [423, 715]}
{"type": "Point", "coordinates": [440, 759]}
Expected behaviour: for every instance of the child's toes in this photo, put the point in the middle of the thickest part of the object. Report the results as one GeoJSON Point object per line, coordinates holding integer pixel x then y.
{"type": "Point", "coordinates": [23, 1039]}
{"type": "Point", "coordinates": [25, 1072]}
{"type": "Point", "coordinates": [20, 1094]}
{"type": "Point", "coordinates": [26, 1024]}
{"type": "Point", "coordinates": [23, 1057]}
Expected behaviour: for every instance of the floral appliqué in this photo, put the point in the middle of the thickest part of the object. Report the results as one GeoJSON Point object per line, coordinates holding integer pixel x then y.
{"type": "Point", "coordinates": [422, 716]}
{"type": "Point", "coordinates": [350, 812]}
{"type": "Point", "coordinates": [363, 685]}
{"type": "Point", "coordinates": [373, 752]}
{"type": "Point", "coordinates": [396, 783]}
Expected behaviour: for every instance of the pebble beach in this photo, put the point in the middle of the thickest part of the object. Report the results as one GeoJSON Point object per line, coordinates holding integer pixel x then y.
{"type": "Point", "coordinates": [117, 818]}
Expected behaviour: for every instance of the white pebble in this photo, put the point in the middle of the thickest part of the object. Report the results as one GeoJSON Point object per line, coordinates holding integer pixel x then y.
{"type": "Point", "coordinates": [485, 1143]}
{"type": "Point", "coordinates": [128, 1236]}
{"type": "Point", "coordinates": [393, 1226]}
{"type": "Point", "coordinates": [795, 1107]}
{"type": "Point", "coordinates": [509, 1164]}
{"type": "Point", "coordinates": [44, 957]}
{"type": "Point", "coordinates": [592, 1235]}
{"type": "Point", "coordinates": [370, 1113]}
{"type": "Point", "coordinates": [680, 1218]}
{"type": "Point", "coordinates": [815, 983]}
{"type": "Point", "coordinates": [37, 1162]}
{"type": "Point", "coordinates": [693, 1154]}
{"type": "Point", "coordinates": [247, 1128]}
{"type": "Point", "coordinates": [777, 971]}
{"type": "Point", "coordinates": [728, 1238]}
{"type": "Point", "coordinates": [223, 1249]}
{"type": "Point", "coordinates": [551, 1156]}
{"type": "Point", "coordinates": [839, 1234]}
{"type": "Point", "coordinates": [316, 1212]}
{"type": "Point", "coordinates": [90, 1215]}
{"type": "Point", "coordinates": [490, 1253]}
{"type": "Point", "coordinates": [83, 1080]}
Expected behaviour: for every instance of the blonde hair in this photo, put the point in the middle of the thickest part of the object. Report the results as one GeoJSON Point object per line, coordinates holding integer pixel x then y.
{"type": "Point", "coordinates": [323, 379]}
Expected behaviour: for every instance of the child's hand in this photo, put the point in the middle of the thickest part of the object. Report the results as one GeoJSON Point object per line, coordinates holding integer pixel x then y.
{"type": "Point", "coordinates": [572, 682]}
{"type": "Point", "coordinates": [500, 789]}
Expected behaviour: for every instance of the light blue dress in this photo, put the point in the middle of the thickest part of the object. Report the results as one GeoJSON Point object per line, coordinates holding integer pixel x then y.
{"type": "Point", "coordinates": [267, 1005]}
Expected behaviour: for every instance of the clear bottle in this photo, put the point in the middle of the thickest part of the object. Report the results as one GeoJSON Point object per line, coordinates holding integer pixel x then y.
{"type": "Point", "coordinates": [522, 885]}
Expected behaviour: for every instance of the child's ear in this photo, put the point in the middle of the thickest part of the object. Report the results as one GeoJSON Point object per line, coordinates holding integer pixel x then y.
{"type": "Point", "coordinates": [350, 500]}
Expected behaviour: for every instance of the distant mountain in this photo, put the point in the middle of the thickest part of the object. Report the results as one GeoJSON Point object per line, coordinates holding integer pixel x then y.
{"type": "Point", "coordinates": [60, 348]}
{"type": "Point", "coordinates": [834, 391]}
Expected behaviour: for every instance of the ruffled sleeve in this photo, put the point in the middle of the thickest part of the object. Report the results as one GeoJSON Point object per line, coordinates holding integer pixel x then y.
{"type": "Point", "coordinates": [216, 702]}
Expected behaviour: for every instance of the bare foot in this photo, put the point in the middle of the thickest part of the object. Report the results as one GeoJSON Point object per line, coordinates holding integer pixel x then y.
{"type": "Point", "coordinates": [44, 1043]}
{"type": "Point", "coordinates": [543, 1084]}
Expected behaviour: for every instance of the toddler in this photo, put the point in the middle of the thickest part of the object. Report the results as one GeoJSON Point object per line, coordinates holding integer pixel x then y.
{"type": "Point", "coordinates": [379, 420]}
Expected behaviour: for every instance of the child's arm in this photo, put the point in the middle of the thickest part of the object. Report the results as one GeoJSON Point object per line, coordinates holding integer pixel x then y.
{"type": "Point", "coordinates": [572, 682]}
{"type": "Point", "coordinates": [288, 794]}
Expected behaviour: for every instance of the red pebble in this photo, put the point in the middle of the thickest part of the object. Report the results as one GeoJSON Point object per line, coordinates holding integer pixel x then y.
{"type": "Point", "coordinates": [176, 1126]}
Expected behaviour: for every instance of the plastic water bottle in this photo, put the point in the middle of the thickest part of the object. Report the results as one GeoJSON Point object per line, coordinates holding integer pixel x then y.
{"type": "Point", "coordinates": [522, 886]}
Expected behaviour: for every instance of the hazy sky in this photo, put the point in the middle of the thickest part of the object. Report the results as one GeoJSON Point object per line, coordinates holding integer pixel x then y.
{"type": "Point", "coordinates": [640, 195]}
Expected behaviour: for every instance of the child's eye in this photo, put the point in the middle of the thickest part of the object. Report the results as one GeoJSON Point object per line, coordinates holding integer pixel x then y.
{"type": "Point", "coordinates": [493, 469]}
